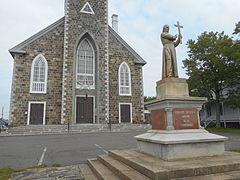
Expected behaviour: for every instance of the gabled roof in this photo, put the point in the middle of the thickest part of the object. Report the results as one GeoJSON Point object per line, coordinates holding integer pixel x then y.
{"type": "Point", "coordinates": [18, 49]}
{"type": "Point", "coordinates": [139, 59]}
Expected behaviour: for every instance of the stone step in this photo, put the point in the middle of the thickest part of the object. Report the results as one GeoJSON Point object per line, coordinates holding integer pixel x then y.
{"type": "Point", "coordinates": [74, 129]}
{"type": "Point", "coordinates": [39, 130]}
{"type": "Point", "coordinates": [86, 172]}
{"type": "Point", "coordinates": [125, 157]}
{"type": "Point", "coordinates": [122, 170]}
{"type": "Point", "coordinates": [101, 171]}
{"type": "Point", "coordinates": [158, 169]}
{"type": "Point", "coordinates": [234, 175]}
{"type": "Point", "coordinates": [16, 132]}
{"type": "Point", "coordinates": [35, 132]}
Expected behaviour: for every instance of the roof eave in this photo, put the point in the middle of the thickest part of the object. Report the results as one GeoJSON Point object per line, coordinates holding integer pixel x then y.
{"type": "Point", "coordinates": [140, 60]}
{"type": "Point", "coordinates": [15, 51]}
{"type": "Point", "coordinates": [17, 48]}
{"type": "Point", "coordinates": [141, 63]}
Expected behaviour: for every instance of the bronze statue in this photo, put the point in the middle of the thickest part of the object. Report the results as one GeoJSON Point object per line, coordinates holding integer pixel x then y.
{"type": "Point", "coordinates": [169, 68]}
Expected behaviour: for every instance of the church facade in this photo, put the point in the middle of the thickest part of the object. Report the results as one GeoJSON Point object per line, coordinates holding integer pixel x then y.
{"type": "Point", "coordinates": [77, 70]}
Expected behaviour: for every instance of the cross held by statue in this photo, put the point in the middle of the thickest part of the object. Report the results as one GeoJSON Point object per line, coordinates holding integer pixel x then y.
{"type": "Point", "coordinates": [179, 29]}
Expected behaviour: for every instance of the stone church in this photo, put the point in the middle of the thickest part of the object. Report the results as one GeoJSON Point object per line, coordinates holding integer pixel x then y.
{"type": "Point", "coordinates": [78, 70]}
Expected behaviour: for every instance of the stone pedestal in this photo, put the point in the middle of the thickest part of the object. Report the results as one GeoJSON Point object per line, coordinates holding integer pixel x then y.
{"type": "Point", "coordinates": [172, 87]}
{"type": "Point", "coordinates": [176, 131]}
{"type": "Point", "coordinates": [179, 144]}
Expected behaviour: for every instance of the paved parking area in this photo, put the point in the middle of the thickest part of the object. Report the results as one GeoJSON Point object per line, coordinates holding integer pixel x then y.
{"type": "Point", "coordinates": [233, 141]}
{"type": "Point", "coordinates": [26, 151]}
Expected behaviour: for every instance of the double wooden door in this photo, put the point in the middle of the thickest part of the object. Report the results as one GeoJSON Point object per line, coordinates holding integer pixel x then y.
{"type": "Point", "coordinates": [84, 110]}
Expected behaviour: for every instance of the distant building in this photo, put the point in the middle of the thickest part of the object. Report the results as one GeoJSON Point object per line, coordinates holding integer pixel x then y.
{"type": "Point", "coordinates": [229, 117]}
{"type": "Point", "coordinates": [77, 55]}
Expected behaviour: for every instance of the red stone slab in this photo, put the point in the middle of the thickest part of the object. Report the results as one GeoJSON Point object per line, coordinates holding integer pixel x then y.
{"type": "Point", "coordinates": [159, 120]}
{"type": "Point", "coordinates": [185, 118]}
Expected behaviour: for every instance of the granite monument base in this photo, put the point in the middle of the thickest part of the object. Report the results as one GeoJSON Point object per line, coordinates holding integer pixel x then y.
{"type": "Point", "coordinates": [176, 131]}
{"type": "Point", "coordinates": [178, 144]}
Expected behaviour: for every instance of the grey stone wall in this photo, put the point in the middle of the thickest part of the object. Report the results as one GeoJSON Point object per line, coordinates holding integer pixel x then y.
{"type": "Point", "coordinates": [51, 46]}
{"type": "Point", "coordinates": [118, 54]}
{"type": "Point", "coordinates": [95, 27]}
{"type": "Point", "coordinates": [59, 48]}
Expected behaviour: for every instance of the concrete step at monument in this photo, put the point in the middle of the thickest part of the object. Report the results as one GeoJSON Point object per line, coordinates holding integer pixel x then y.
{"type": "Point", "coordinates": [101, 171]}
{"type": "Point", "coordinates": [158, 169]}
{"type": "Point", "coordinates": [122, 170]}
{"type": "Point", "coordinates": [125, 156]}
{"type": "Point", "coordinates": [234, 175]}
{"type": "Point", "coordinates": [86, 172]}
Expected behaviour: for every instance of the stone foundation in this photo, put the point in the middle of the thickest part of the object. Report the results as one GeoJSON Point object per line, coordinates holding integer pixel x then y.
{"type": "Point", "coordinates": [170, 145]}
{"type": "Point", "coordinates": [177, 132]}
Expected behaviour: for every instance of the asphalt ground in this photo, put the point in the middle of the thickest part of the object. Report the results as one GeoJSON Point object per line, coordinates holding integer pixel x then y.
{"type": "Point", "coordinates": [27, 151]}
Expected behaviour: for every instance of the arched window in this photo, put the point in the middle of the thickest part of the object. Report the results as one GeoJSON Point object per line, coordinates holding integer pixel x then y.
{"type": "Point", "coordinates": [124, 80]}
{"type": "Point", "coordinates": [39, 75]}
{"type": "Point", "coordinates": [85, 65]}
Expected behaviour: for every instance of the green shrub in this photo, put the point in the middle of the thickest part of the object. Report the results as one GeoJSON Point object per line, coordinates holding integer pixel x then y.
{"type": "Point", "coordinates": [212, 125]}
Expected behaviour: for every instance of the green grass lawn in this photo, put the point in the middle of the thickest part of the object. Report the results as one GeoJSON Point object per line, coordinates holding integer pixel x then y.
{"type": "Point", "coordinates": [227, 130]}
{"type": "Point", "coordinates": [6, 173]}
{"type": "Point", "coordinates": [236, 150]}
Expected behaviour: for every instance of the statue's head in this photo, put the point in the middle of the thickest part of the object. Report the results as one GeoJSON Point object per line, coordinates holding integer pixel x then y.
{"type": "Point", "coordinates": [166, 28]}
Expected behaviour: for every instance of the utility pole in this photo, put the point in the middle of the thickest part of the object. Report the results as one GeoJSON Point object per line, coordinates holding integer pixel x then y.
{"type": "Point", "coordinates": [2, 118]}
{"type": "Point", "coordinates": [2, 112]}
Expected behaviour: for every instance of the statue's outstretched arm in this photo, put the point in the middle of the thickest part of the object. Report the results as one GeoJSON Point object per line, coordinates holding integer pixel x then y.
{"type": "Point", "coordinates": [168, 36]}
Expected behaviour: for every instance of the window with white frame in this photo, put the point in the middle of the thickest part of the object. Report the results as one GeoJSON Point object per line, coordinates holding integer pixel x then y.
{"type": "Point", "coordinates": [124, 80]}
{"type": "Point", "coordinates": [39, 75]}
{"type": "Point", "coordinates": [85, 65]}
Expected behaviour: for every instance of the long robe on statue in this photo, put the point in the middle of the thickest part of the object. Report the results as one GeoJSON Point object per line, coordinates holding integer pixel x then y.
{"type": "Point", "coordinates": [169, 68]}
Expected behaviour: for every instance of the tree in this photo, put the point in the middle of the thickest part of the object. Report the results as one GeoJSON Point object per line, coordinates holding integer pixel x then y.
{"type": "Point", "coordinates": [213, 67]}
{"type": "Point", "coordinates": [234, 95]}
{"type": "Point", "coordinates": [237, 29]}
{"type": "Point", "coordinates": [149, 98]}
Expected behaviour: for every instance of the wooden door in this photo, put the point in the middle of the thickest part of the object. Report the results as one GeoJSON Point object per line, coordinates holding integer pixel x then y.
{"type": "Point", "coordinates": [84, 110]}
{"type": "Point", "coordinates": [125, 112]}
{"type": "Point", "coordinates": [36, 114]}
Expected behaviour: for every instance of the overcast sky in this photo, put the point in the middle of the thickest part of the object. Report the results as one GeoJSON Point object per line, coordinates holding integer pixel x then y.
{"type": "Point", "coordinates": [140, 24]}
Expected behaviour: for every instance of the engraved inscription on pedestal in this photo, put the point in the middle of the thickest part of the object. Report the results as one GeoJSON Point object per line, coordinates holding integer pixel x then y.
{"type": "Point", "coordinates": [159, 120]}
{"type": "Point", "coordinates": [185, 118]}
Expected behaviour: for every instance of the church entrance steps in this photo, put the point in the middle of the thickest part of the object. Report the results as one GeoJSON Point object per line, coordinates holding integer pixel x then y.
{"type": "Point", "coordinates": [79, 128]}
